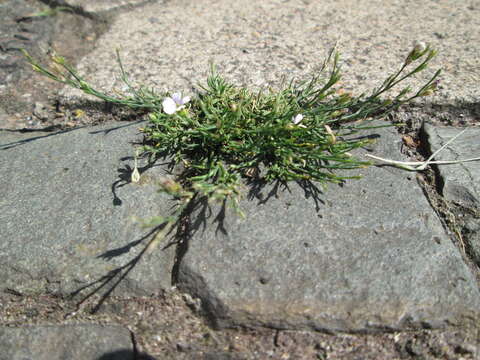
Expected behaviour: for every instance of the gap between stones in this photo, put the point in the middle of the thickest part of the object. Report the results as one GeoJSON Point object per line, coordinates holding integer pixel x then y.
{"type": "Point", "coordinates": [450, 214]}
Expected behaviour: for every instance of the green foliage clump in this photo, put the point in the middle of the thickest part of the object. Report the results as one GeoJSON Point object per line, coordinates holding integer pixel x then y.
{"type": "Point", "coordinates": [228, 134]}
{"type": "Point", "coordinates": [295, 133]}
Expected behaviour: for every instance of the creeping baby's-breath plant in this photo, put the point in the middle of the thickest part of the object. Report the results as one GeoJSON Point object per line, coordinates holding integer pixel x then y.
{"type": "Point", "coordinates": [228, 135]}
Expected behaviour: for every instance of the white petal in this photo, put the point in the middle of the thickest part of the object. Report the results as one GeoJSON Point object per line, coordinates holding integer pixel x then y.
{"type": "Point", "coordinates": [169, 106]}
{"type": "Point", "coordinates": [177, 97]}
{"type": "Point", "coordinates": [296, 119]}
{"type": "Point", "coordinates": [185, 100]}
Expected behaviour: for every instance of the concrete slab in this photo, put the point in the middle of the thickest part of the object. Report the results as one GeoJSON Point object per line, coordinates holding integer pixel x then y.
{"type": "Point", "coordinates": [374, 256]}
{"type": "Point", "coordinates": [170, 45]}
{"type": "Point", "coordinates": [67, 213]}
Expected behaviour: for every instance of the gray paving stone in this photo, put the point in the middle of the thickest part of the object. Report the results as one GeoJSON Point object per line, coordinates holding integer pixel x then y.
{"type": "Point", "coordinates": [374, 256]}
{"type": "Point", "coordinates": [73, 342]}
{"type": "Point", "coordinates": [67, 215]}
{"type": "Point", "coordinates": [3, 118]}
{"type": "Point", "coordinates": [459, 183]}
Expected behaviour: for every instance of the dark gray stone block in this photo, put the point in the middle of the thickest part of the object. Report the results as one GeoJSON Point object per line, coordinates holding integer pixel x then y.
{"type": "Point", "coordinates": [74, 342]}
{"type": "Point", "coordinates": [373, 256]}
{"type": "Point", "coordinates": [460, 182]}
{"type": "Point", "coordinates": [67, 213]}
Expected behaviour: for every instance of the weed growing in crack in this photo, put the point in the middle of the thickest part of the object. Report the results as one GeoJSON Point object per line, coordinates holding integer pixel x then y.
{"type": "Point", "coordinates": [228, 135]}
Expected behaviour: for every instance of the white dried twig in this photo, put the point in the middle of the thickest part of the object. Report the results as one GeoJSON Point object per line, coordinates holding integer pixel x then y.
{"type": "Point", "coordinates": [422, 165]}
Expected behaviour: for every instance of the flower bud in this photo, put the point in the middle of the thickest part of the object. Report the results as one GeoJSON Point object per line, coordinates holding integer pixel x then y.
{"type": "Point", "coordinates": [419, 47]}
{"type": "Point", "coordinates": [333, 139]}
{"type": "Point", "coordinates": [58, 59]}
{"type": "Point", "coordinates": [54, 67]}
{"type": "Point", "coordinates": [135, 178]}
{"type": "Point", "coordinates": [427, 92]}
{"type": "Point", "coordinates": [153, 117]}
{"type": "Point", "coordinates": [417, 51]}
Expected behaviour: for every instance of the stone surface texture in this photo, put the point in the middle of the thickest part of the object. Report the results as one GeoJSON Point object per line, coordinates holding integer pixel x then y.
{"type": "Point", "coordinates": [68, 211]}
{"type": "Point", "coordinates": [20, 88]}
{"type": "Point", "coordinates": [374, 256]}
{"type": "Point", "coordinates": [103, 6]}
{"type": "Point", "coordinates": [88, 342]}
{"type": "Point", "coordinates": [459, 181]}
{"type": "Point", "coordinates": [170, 45]}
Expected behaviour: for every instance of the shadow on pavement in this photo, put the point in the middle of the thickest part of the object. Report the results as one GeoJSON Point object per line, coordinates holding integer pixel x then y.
{"type": "Point", "coordinates": [125, 355]}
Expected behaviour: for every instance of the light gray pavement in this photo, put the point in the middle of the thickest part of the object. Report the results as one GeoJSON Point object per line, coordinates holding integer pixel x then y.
{"type": "Point", "coordinates": [170, 44]}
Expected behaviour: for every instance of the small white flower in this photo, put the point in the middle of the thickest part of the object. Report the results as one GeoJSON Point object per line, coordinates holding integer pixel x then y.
{"type": "Point", "coordinates": [175, 103]}
{"type": "Point", "coordinates": [329, 131]}
{"type": "Point", "coordinates": [169, 106]}
{"type": "Point", "coordinates": [297, 118]}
